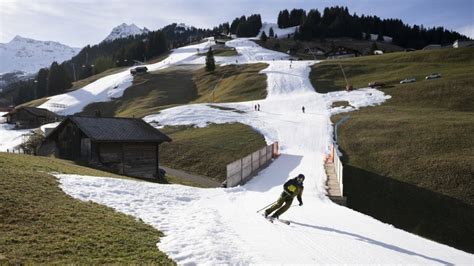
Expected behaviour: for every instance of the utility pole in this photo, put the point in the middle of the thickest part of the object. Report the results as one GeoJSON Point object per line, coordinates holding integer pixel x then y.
{"type": "Point", "coordinates": [348, 87]}
{"type": "Point", "coordinates": [344, 74]}
{"type": "Point", "coordinates": [215, 86]}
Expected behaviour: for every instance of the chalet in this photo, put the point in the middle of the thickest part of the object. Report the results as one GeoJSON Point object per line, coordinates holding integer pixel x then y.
{"type": "Point", "coordinates": [315, 51]}
{"type": "Point", "coordinates": [463, 43]}
{"type": "Point", "coordinates": [128, 146]}
{"type": "Point", "coordinates": [30, 117]}
{"type": "Point", "coordinates": [342, 52]}
{"type": "Point", "coordinates": [220, 42]}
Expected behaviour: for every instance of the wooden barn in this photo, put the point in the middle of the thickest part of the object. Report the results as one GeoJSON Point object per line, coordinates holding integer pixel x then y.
{"type": "Point", "coordinates": [128, 146]}
{"type": "Point", "coordinates": [30, 117]}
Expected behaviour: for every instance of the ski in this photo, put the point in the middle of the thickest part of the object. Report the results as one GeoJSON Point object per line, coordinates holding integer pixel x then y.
{"type": "Point", "coordinates": [270, 219]}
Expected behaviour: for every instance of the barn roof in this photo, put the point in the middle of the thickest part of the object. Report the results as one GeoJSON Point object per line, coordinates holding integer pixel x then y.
{"type": "Point", "coordinates": [34, 111]}
{"type": "Point", "coordinates": [115, 129]}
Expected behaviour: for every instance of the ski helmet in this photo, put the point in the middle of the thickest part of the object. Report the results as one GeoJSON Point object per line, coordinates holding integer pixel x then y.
{"type": "Point", "coordinates": [300, 177]}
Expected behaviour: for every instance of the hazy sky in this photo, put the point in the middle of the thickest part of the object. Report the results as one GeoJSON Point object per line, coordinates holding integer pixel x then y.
{"type": "Point", "coordinates": [81, 22]}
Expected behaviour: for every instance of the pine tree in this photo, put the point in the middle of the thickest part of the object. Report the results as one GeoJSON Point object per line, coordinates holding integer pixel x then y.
{"type": "Point", "coordinates": [58, 79]}
{"type": "Point", "coordinates": [380, 37]}
{"type": "Point", "coordinates": [367, 36]}
{"type": "Point", "coordinates": [284, 19]}
{"type": "Point", "coordinates": [271, 34]}
{"type": "Point", "coordinates": [234, 25]}
{"type": "Point", "coordinates": [42, 83]}
{"type": "Point", "coordinates": [210, 62]}
{"type": "Point", "coordinates": [263, 37]}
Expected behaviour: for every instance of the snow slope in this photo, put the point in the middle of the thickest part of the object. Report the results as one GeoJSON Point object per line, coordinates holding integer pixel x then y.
{"type": "Point", "coordinates": [221, 226]}
{"type": "Point", "coordinates": [113, 86]}
{"type": "Point", "coordinates": [28, 55]}
{"type": "Point", "coordinates": [281, 33]}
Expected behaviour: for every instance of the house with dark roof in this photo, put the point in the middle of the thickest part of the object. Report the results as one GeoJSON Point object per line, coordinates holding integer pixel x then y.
{"type": "Point", "coordinates": [128, 146]}
{"type": "Point", "coordinates": [30, 117]}
{"type": "Point", "coordinates": [342, 52]}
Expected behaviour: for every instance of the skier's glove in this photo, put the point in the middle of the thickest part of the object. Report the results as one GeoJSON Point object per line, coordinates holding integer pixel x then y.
{"type": "Point", "coordinates": [301, 203]}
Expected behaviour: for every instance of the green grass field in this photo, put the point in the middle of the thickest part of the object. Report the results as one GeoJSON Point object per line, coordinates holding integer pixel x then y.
{"type": "Point", "coordinates": [231, 83]}
{"type": "Point", "coordinates": [207, 151]}
{"type": "Point", "coordinates": [410, 161]}
{"type": "Point", "coordinates": [40, 224]}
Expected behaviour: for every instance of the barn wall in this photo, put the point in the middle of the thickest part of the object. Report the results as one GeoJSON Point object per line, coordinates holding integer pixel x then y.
{"type": "Point", "coordinates": [69, 142]}
{"type": "Point", "coordinates": [139, 159]}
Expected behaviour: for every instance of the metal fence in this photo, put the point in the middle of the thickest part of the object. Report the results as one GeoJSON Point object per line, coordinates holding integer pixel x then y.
{"type": "Point", "coordinates": [240, 171]}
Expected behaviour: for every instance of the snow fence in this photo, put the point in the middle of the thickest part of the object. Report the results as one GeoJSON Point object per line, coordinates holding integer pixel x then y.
{"type": "Point", "coordinates": [242, 170]}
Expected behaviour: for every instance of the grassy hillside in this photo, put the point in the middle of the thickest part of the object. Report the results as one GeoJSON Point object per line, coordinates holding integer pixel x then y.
{"type": "Point", "coordinates": [39, 223]}
{"type": "Point", "coordinates": [207, 151]}
{"type": "Point", "coordinates": [231, 83]}
{"type": "Point", "coordinates": [154, 91]}
{"type": "Point", "coordinates": [413, 154]}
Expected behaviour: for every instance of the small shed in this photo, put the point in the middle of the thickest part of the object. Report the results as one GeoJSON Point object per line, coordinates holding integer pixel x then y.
{"type": "Point", "coordinates": [30, 117]}
{"type": "Point", "coordinates": [463, 43]}
{"type": "Point", "coordinates": [128, 146]}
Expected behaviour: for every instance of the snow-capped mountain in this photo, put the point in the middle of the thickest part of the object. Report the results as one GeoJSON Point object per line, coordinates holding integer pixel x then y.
{"type": "Point", "coordinates": [29, 56]}
{"type": "Point", "coordinates": [123, 30]}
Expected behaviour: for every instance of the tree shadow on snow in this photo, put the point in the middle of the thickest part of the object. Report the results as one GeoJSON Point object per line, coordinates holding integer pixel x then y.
{"type": "Point", "coordinates": [374, 242]}
{"type": "Point", "coordinates": [275, 174]}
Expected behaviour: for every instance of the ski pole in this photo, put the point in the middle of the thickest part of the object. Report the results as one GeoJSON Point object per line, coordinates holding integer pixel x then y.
{"type": "Point", "coordinates": [268, 205]}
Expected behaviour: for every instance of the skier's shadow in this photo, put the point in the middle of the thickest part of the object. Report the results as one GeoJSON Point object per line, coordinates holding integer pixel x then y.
{"type": "Point", "coordinates": [374, 242]}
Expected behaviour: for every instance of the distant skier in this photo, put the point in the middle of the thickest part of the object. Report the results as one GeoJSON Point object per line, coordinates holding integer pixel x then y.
{"type": "Point", "coordinates": [255, 107]}
{"type": "Point", "coordinates": [258, 107]}
{"type": "Point", "coordinates": [291, 189]}
{"type": "Point", "coordinates": [302, 108]}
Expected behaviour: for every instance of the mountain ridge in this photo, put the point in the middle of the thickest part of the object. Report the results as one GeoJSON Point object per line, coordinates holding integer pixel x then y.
{"type": "Point", "coordinates": [29, 55]}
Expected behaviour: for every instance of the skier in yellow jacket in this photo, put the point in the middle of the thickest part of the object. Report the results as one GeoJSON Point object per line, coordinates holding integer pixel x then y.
{"type": "Point", "coordinates": [292, 188]}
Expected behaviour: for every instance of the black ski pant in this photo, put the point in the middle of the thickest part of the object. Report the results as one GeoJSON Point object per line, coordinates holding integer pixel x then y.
{"type": "Point", "coordinates": [281, 206]}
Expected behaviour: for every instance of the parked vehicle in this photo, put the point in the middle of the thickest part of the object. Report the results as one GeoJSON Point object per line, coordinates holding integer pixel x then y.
{"type": "Point", "coordinates": [376, 84]}
{"type": "Point", "coordinates": [409, 80]}
{"type": "Point", "coordinates": [433, 76]}
{"type": "Point", "coordinates": [138, 69]}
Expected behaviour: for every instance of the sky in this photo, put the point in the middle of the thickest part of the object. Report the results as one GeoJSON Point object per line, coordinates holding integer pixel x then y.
{"type": "Point", "coordinates": [80, 22]}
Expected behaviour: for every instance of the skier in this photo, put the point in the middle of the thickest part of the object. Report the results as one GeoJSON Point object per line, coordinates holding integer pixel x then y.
{"type": "Point", "coordinates": [302, 108]}
{"type": "Point", "coordinates": [292, 188]}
